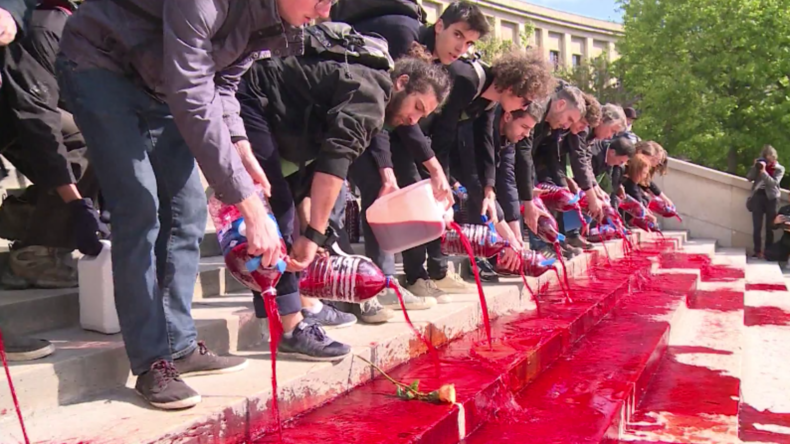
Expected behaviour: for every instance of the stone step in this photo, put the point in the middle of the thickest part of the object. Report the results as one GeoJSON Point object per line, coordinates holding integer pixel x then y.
{"type": "Point", "coordinates": [525, 345]}
{"type": "Point", "coordinates": [587, 394]}
{"type": "Point", "coordinates": [232, 403]}
{"type": "Point", "coordinates": [764, 411]}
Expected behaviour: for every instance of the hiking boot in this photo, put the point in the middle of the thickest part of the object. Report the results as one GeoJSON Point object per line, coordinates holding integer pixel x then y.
{"type": "Point", "coordinates": [578, 242]}
{"type": "Point", "coordinates": [40, 267]}
{"type": "Point", "coordinates": [330, 317]}
{"type": "Point", "coordinates": [570, 251]}
{"type": "Point", "coordinates": [25, 348]}
{"type": "Point", "coordinates": [422, 299]}
{"type": "Point", "coordinates": [164, 389]}
{"type": "Point", "coordinates": [203, 361]}
{"type": "Point", "coordinates": [486, 270]}
{"type": "Point", "coordinates": [453, 283]}
{"type": "Point", "coordinates": [309, 342]}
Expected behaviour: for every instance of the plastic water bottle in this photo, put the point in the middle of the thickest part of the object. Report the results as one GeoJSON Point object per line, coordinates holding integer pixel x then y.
{"type": "Point", "coordinates": [548, 230]}
{"type": "Point", "coordinates": [231, 233]}
{"type": "Point", "coordinates": [662, 208]}
{"type": "Point", "coordinates": [558, 199]}
{"type": "Point", "coordinates": [602, 233]}
{"type": "Point", "coordinates": [483, 238]}
{"type": "Point", "coordinates": [352, 279]}
{"type": "Point", "coordinates": [97, 292]}
{"type": "Point", "coordinates": [534, 263]}
{"type": "Point", "coordinates": [645, 224]}
{"type": "Point", "coordinates": [633, 207]}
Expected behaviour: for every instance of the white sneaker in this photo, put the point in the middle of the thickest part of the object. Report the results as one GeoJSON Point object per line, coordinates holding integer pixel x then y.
{"type": "Point", "coordinates": [389, 299]}
{"type": "Point", "coordinates": [454, 284]}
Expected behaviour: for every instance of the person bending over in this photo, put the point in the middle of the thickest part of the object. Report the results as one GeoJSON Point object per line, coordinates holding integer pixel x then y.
{"type": "Point", "coordinates": [347, 105]}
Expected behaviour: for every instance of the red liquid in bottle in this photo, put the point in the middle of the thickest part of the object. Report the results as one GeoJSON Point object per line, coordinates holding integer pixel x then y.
{"type": "Point", "coordinates": [632, 207]}
{"type": "Point", "coordinates": [483, 304]}
{"type": "Point", "coordinates": [13, 391]}
{"type": "Point", "coordinates": [352, 279]}
{"type": "Point", "coordinates": [484, 242]}
{"type": "Point", "coordinates": [644, 224]}
{"type": "Point", "coordinates": [231, 233]}
{"type": "Point", "coordinates": [602, 233]}
{"type": "Point", "coordinates": [557, 198]}
{"type": "Point", "coordinates": [661, 207]}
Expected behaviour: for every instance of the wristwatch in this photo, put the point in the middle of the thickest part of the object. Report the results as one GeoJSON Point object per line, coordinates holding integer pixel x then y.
{"type": "Point", "coordinates": [325, 239]}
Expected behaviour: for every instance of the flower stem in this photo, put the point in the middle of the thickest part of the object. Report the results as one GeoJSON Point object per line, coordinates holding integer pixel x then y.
{"type": "Point", "coordinates": [383, 373]}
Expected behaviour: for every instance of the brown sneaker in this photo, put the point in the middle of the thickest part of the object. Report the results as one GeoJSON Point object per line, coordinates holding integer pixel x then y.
{"type": "Point", "coordinates": [453, 283]}
{"type": "Point", "coordinates": [163, 388]}
{"type": "Point", "coordinates": [203, 361]}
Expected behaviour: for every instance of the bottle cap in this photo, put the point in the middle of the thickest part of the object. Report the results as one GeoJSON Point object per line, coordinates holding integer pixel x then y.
{"type": "Point", "coordinates": [253, 264]}
{"type": "Point", "coordinates": [574, 199]}
{"type": "Point", "coordinates": [560, 237]}
{"type": "Point", "coordinates": [547, 262]}
{"type": "Point", "coordinates": [280, 266]}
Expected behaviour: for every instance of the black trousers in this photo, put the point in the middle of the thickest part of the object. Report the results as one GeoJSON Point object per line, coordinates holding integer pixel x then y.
{"type": "Point", "coordinates": [763, 214]}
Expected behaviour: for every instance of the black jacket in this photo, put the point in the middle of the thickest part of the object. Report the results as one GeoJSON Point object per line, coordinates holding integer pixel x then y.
{"type": "Point", "coordinates": [400, 32]}
{"type": "Point", "coordinates": [525, 169]}
{"type": "Point", "coordinates": [29, 114]}
{"type": "Point", "coordinates": [318, 109]}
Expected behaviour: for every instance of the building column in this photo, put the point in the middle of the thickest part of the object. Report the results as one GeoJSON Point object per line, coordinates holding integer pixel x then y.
{"type": "Point", "coordinates": [544, 42]}
{"type": "Point", "coordinates": [610, 50]}
{"type": "Point", "coordinates": [566, 56]}
{"type": "Point", "coordinates": [588, 48]}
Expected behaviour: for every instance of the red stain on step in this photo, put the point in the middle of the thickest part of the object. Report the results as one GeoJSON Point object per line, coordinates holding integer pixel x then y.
{"type": "Point", "coordinates": [687, 402]}
{"type": "Point", "coordinates": [721, 273]}
{"type": "Point", "coordinates": [718, 300]}
{"type": "Point", "coordinates": [766, 287]}
{"type": "Point", "coordinates": [754, 316]}
{"type": "Point", "coordinates": [708, 271]}
{"type": "Point", "coordinates": [748, 430]}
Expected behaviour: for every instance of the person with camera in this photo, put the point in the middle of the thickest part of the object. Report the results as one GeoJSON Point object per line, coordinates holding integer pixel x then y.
{"type": "Point", "coordinates": [766, 176]}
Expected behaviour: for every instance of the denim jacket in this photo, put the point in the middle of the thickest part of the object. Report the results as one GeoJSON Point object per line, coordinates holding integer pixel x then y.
{"type": "Point", "coordinates": [177, 61]}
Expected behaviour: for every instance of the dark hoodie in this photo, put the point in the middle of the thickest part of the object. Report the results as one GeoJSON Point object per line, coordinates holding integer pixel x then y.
{"type": "Point", "coordinates": [319, 110]}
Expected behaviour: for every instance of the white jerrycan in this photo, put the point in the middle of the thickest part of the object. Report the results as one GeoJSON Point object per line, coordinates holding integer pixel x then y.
{"type": "Point", "coordinates": [97, 295]}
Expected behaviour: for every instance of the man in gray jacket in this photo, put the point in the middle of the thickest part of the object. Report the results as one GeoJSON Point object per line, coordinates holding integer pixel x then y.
{"type": "Point", "coordinates": [152, 84]}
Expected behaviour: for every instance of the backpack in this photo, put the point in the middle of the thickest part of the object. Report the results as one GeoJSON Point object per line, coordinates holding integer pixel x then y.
{"type": "Point", "coordinates": [353, 11]}
{"type": "Point", "coordinates": [235, 11]}
{"type": "Point", "coordinates": [340, 42]}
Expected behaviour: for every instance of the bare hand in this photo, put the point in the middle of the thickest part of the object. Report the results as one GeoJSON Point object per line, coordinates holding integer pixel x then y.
{"type": "Point", "coordinates": [594, 206]}
{"type": "Point", "coordinates": [263, 238]}
{"type": "Point", "coordinates": [8, 28]}
{"type": "Point", "coordinates": [489, 205]}
{"type": "Point", "coordinates": [510, 260]}
{"type": "Point", "coordinates": [302, 254]}
{"type": "Point", "coordinates": [389, 183]}
{"type": "Point", "coordinates": [531, 215]}
{"type": "Point", "coordinates": [252, 166]}
{"type": "Point", "coordinates": [441, 187]}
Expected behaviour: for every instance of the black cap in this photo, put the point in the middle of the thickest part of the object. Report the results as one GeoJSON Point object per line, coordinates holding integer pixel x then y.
{"type": "Point", "coordinates": [630, 113]}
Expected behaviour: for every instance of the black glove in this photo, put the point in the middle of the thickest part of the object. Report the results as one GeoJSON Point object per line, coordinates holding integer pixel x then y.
{"type": "Point", "coordinates": [87, 227]}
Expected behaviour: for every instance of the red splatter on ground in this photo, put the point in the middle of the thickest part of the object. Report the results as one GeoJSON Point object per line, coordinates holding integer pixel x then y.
{"type": "Point", "coordinates": [766, 287]}
{"type": "Point", "coordinates": [702, 262]}
{"type": "Point", "coordinates": [749, 416]}
{"type": "Point", "coordinates": [719, 300]}
{"type": "Point", "coordinates": [765, 316]}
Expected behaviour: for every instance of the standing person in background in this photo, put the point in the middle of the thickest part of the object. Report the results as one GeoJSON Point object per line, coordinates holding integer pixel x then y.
{"type": "Point", "coordinates": [630, 116]}
{"type": "Point", "coordinates": [766, 177]}
{"type": "Point", "coordinates": [152, 85]}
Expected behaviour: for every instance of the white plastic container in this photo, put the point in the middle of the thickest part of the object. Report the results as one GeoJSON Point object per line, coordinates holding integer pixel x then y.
{"type": "Point", "coordinates": [97, 295]}
{"type": "Point", "coordinates": [408, 217]}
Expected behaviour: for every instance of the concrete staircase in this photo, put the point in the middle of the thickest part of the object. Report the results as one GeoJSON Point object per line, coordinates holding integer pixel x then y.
{"type": "Point", "coordinates": [609, 391]}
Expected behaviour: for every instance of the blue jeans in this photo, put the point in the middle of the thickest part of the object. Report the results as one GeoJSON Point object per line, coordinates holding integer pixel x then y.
{"type": "Point", "coordinates": [572, 223]}
{"type": "Point", "coordinates": [152, 189]}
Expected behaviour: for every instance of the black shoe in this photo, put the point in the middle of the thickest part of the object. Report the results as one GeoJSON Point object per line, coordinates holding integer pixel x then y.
{"type": "Point", "coordinates": [203, 361]}
{"type": "Point", "coordinates": [330, 317]}
{"type": "Point", "coordinates": [24, 348]}
{"type": "Point", "coordinates": [569, 251]}
{"type": "Point", "coordinates": [164, 389]}
{"type": "Point", "coordinates": [487, 272]}
{"type": "Point", "coordinates": [579, 242]}
{"type": "Point", "coordinates": [309, 342]}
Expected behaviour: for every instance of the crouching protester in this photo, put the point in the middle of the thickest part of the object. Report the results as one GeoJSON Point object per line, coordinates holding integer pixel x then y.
{"type": "Point", "coordinates": [55, 215]}
{"type": "Point", "coordinates": [308, 118]}
{"type": "Point", "coordinates": [780, 250]}
{"type": "Point", "coordinates": [152, 86]}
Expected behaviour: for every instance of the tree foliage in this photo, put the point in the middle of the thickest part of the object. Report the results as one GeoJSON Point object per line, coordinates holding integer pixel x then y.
{"type": "Point", "coordinates": [491, 46]}
{"type": "Point", "coordinates": [599, 77]}
{"type": "Point", "coordinates": [711, 76]}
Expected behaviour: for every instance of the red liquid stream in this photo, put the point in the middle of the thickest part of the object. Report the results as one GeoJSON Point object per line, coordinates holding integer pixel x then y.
{"type": "Point", "coordinates": [483, 305]}
{"type": "Point", "coordinates": [431, 349]}
{"type": "Point", "coordinates": [606, 250]}
{"type": "Point", "coordinates": [13, 391]}
{"type": "Point", "coordinates": [564, 273]}
{"type": "Point", "coordinates": [524, 280]}
{"type": "Point", "coordinates": [275, 334]}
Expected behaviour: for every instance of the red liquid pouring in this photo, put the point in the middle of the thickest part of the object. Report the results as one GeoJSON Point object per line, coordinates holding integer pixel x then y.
{"type": "Point", "coordinates": [531, 263]}
{"type": "Point", "coordinates": [275, 335]}
{"type": "Point", "coordinates": [567, 288]}
{"type": "Point", "coordinates": [562, 200]}
{"type": "Point", "coordinates": [485, 243]}
{"type": "Point", "coordinates": [431, 349]}
{"type": "Point", "coordinates": [661, 207]}
{"type": "Point", "coordinates": [483, 305]}
{"type": "Point", "coordinates": [644, 224]}
{"type": "Point", "coordinates": [13, 391]}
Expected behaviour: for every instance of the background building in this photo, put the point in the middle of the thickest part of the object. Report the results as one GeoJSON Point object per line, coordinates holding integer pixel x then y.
{"type": "Point", "coordinates": [566, 39]}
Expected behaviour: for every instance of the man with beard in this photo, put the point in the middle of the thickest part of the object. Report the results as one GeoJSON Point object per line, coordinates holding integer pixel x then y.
{"type": "Point", "coordinates": [308, 119]}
